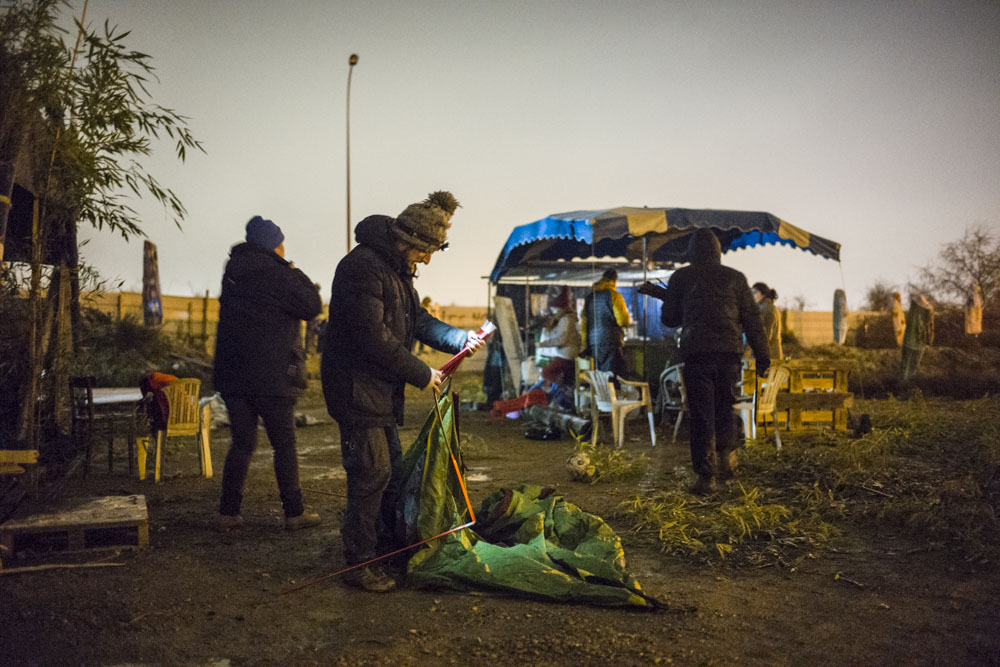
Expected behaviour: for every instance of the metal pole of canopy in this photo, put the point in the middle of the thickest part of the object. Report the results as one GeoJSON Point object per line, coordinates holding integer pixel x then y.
{"type": "Point", "coordinates": [645, 311]}
{"type": "Point", "coordinates": [489, 299]}
{"type": "Point", "coordinates": [527, 315]}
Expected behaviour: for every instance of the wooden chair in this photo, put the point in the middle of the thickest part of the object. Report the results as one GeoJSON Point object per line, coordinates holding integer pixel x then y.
{"type": "Point", "coordinates": [186, 417]}
{"type": "Point", "coordinates": [605, 400]}
{"type": "Point", "coordinates": [673, 395]}
{"type": "Point", "coordinates": [85, 418]}
{"type": "Point", "coordinates": [777, 376]}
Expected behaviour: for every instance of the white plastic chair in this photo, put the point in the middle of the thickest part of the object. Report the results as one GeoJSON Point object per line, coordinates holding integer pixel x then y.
{"type": "Point", "coordinates": [777, 376]}
{"type": "Point", "coordinates": [581, 392]}
{"type": "Point", "coordinates": [673, 395]}
{"type": "Point", "coordinates": [746, 404]}
{"type": "Point", "coordinates": [605, 400]}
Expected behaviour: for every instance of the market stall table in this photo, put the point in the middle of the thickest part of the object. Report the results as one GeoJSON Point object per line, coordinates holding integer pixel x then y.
{"type": "Point", "coordinates": [119, 403]}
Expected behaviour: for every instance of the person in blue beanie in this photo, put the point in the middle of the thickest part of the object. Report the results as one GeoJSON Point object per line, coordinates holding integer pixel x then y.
{"type": "Point", "coordinates": [260, 365]}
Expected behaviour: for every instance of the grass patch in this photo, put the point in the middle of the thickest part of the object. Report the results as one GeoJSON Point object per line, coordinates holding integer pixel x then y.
{"type": "Point", "coordinates": [744, 523]}
{"type": "Point", "coordinates": [608, 464]}
{"type": "Point", "coordinates": [929, 471]}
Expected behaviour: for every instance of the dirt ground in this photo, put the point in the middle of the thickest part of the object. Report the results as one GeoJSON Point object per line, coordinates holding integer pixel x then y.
{"type": "Point", "coordinates": [197, 597]}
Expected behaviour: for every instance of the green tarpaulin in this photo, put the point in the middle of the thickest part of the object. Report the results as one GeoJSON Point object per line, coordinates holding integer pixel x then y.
{"type": "Point", "coordinates": [527, 541]}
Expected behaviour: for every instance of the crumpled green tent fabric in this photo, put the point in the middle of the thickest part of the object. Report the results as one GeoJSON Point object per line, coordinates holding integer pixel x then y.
{"type": "Point", "coordinates": [526, 541]}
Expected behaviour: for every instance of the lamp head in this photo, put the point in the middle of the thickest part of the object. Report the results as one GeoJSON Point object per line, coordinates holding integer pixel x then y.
{"type": "Point", "coordinates": [353, 60]}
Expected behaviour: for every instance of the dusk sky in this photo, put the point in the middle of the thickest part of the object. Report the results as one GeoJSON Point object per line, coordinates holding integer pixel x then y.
{"type": "Point", "coordinates": [875, 124]}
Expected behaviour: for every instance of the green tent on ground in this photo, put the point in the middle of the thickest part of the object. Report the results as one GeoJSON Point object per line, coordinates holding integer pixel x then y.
{"type": "Point", "coordinates": [526, 541]}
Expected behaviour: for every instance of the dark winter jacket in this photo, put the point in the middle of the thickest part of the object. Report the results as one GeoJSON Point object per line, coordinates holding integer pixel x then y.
{"type": "Point", "coordinates": [713, 305]}
{"type": "Point", "coordinates": [258, 347]}
{"type": "Point", "coordinates": [375, 317]}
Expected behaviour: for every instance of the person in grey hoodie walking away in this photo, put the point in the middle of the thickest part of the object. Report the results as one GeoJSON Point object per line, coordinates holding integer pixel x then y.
{"type": "Point", "coordinates": [260, 365]}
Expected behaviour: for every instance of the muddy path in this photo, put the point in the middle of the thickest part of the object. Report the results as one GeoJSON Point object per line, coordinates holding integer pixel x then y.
{"type": "Point", "coordinates": [197, 597]}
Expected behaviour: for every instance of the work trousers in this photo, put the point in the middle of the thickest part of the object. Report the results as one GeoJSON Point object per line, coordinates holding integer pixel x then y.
{"type": "Point", "coordinates": [278, 414]}
{"type": "Point", "coordinates": [373, 459]}
{"type": "Point", "coordinates": [711, 392]}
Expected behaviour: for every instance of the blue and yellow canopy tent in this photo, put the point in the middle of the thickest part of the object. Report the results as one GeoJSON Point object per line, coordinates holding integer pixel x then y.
{"type": "Point", "coordinates": [649, 234]}
{"type": "Point", "coordinates": [574, 248]}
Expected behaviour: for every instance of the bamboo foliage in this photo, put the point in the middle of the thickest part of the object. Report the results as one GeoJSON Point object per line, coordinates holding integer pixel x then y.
{"type": "Point", "coordinates": [77, 120]}
{"type": "Point", "coordinates": [99, 117]}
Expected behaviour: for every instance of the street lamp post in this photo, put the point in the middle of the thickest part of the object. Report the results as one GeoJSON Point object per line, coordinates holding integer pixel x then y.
{"type": "Point", "coordinates": [352, 61]}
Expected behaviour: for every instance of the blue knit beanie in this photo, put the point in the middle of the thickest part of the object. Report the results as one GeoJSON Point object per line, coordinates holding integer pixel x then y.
{"type": "Point", "coordinates": [264, 233]}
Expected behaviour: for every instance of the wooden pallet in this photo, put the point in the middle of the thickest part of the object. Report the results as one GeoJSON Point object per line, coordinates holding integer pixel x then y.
{"type": "Point", "coordinates": [816, 409]}
{"type": "Point", "coordinates": [15, 461]}
{"type": "Point", "coordinates": [113, 522]}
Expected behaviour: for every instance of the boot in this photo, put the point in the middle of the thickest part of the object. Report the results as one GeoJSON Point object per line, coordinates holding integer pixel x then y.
{"type": "Point", "coordinates": [370, 578]}
{"type": "Point", "coordinates": [727, 465]}
{"type": "Point", "coordinates": [305, 520]}
{"type": "Point", "coordinates": [704, 486]}
{"type": "Point", "coordinates": [226, 522]}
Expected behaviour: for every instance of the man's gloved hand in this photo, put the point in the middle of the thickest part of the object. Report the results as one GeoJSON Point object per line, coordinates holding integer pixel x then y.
{"type": "Point", "coordinates": [655, 291]}
{"type": "Point", "coordinates": [762, 369]}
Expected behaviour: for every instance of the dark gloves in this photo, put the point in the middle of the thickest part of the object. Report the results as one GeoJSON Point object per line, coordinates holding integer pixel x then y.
{"type": "Point", "coordinates": [655, 291]}
{"type": "Point", "coordinates": [762, 366]}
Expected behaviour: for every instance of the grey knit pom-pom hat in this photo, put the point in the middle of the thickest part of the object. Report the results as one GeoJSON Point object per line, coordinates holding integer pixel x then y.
{"type": "Point", "coordinates": [424, 226]}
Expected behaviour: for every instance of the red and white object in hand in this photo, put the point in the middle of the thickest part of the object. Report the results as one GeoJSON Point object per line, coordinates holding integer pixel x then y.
{"type": "Point", "coordinates": [452, 364]}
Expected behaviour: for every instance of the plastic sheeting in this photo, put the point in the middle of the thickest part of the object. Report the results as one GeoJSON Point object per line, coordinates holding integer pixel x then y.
{"type": "Point", "coordinates": [526, 541]}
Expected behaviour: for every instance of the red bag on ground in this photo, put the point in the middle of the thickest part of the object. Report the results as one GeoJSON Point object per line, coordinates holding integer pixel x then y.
{"type": "Point", "coordinates": [533, 397]}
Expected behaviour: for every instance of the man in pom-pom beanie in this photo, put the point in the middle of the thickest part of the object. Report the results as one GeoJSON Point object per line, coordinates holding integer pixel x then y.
{"type": "Point", "coordinates": [260, 366]}
{"type": "Point", "coordinates": [375, 318]}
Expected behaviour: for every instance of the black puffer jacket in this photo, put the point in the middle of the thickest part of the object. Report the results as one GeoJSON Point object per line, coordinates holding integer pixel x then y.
{"type": "Point", "coordinates": [375, 316]}
{"type": "Point", "coordinates": [258, 347]}
{"type": "Point", "coordinates": [713, 304]}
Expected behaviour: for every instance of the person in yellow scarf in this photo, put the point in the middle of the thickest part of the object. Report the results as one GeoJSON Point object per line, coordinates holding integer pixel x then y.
{"type": "Point", "coordinates": [603, 323]}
